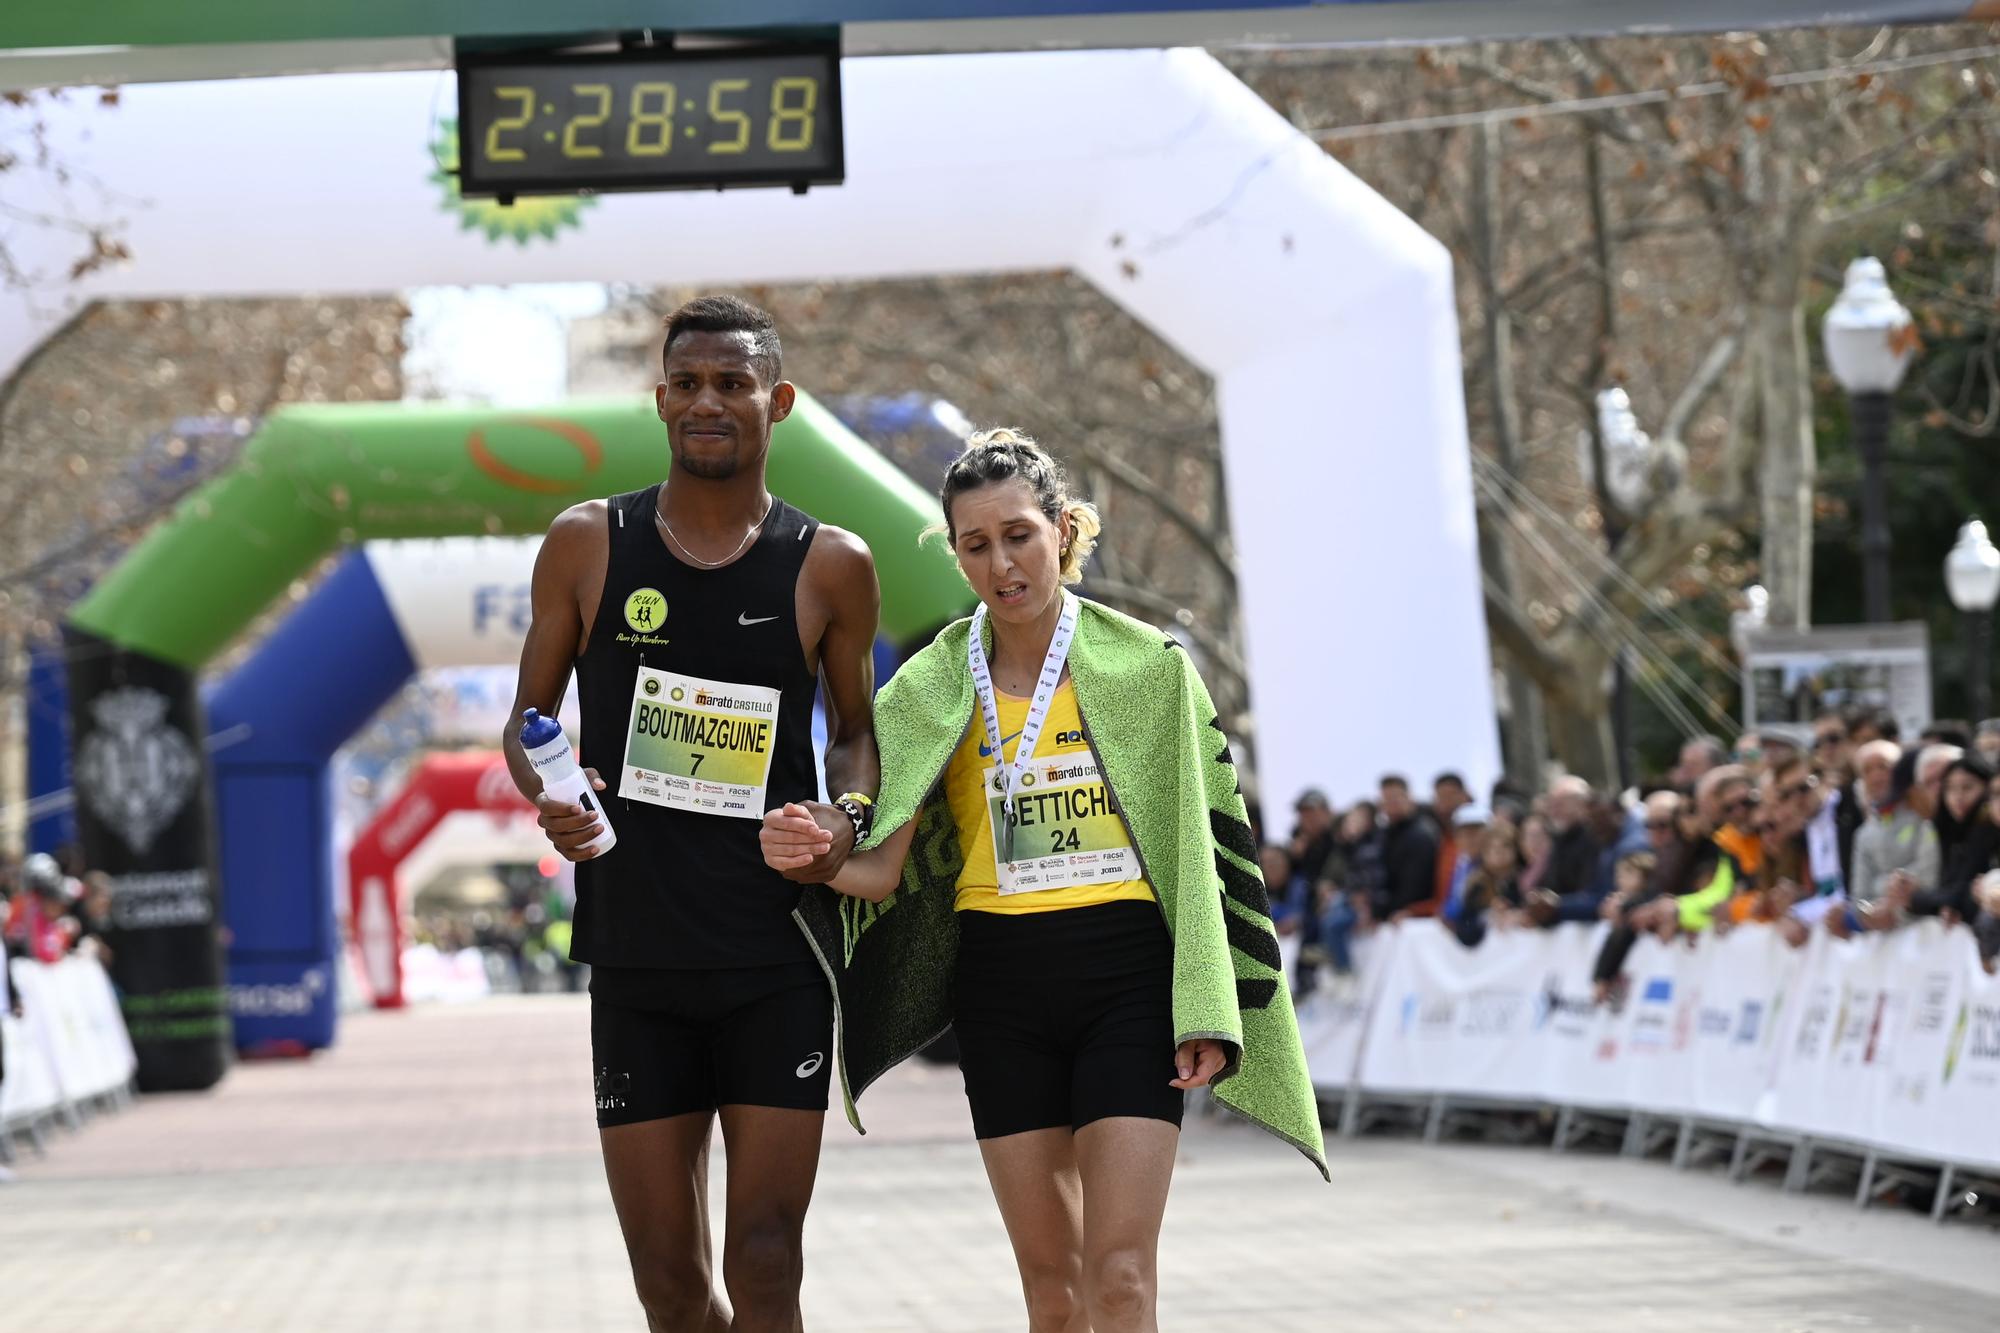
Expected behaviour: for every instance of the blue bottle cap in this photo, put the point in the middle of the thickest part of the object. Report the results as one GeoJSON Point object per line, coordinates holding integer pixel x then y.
{"type": "Point", "coordinates": [536, 730]}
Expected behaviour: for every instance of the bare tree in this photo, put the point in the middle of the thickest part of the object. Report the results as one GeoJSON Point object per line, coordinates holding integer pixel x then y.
{"type": "Point", "coordinates": [1650, 213]}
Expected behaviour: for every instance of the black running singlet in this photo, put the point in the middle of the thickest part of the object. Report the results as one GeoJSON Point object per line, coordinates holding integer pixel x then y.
{"type": "Point", "coordinates": [691, 683]}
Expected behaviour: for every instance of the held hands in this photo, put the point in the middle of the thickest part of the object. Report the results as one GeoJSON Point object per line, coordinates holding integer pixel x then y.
{"type": "Point", "coordinates": [1197, 1062]}
{"type": "Point", "coordinates": [807, 841]}
{"type": "Point", "coordinates": [570, 826]}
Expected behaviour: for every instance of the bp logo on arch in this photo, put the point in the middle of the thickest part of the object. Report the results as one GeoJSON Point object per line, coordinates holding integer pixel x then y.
{"type": "Point", "coordinates": [646, 610]}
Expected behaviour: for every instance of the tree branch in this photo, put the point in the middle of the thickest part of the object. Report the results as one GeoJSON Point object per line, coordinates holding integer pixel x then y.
{"type": "Point", "coordinates": [1523, 641]}
{"type": "Point", "coordinates": [1698, 388]}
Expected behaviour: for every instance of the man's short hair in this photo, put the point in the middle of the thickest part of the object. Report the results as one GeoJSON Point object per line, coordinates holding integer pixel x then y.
{"type": "Point", "coordinates": [729, 314]}
{"type": "Point", "coordinates": [1396, 780]}
{"type": "Point", "coordinates": [1712, 746]}
{"type": "Point", "coordinates": [1448, 778]}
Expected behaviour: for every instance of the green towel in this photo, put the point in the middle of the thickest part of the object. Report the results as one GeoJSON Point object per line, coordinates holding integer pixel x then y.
{"type": "Point", "coordinates": [1149, 719]}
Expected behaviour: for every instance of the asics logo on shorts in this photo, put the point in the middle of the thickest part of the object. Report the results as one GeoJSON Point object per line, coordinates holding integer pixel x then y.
{"type": "Point", "coordinates": [810, 1065]}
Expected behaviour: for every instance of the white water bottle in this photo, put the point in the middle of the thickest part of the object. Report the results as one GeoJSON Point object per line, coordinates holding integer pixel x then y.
{"type": "Point", "coordinates": [555, 763]}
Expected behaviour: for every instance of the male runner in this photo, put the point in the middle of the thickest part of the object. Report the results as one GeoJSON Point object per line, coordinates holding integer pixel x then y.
{"type": "Point", "coordinates": [700, 617]}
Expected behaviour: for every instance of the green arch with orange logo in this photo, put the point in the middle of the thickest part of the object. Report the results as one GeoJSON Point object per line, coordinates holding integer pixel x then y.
{"type": "Point", "coordinates": [317, 477]}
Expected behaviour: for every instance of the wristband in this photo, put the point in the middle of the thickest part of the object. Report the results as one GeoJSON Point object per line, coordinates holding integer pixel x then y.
{"type": "Point", "coordinates": [861, 809]}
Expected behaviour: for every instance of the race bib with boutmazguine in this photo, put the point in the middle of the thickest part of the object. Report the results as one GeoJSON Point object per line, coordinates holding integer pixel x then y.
{"type": "Point", "coordinates": [1067, 831]}
{"type": "Point", "coordinates": [701, 745]}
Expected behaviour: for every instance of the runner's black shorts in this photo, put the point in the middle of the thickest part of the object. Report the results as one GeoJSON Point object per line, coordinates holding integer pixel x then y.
{"type": "Point", "coordinates": [667, 1042]}
{"type": "Point", "coordinates": [1066, 1017]}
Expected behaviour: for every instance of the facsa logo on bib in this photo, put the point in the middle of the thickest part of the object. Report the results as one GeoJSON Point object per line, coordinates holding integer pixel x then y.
{"type": "Point", "coordinates": [652, 686]}
{"type": "Point", "coordinates": [646, 610]}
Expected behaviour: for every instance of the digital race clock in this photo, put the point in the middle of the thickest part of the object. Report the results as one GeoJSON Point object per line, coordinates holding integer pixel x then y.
{"type": "Point", "coordinates": [649, 119]}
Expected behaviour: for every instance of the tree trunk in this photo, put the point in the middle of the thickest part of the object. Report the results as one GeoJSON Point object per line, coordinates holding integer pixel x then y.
{"type": "Point", "coordinates": [1582, 734]}
{"type": "Point", "coordinates": [1526, 735]}
{"type": "Point", "coordinates": [1787, 460]}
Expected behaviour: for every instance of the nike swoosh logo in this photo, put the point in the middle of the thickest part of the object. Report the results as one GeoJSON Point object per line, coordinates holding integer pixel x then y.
{"type": "Point", "coordinates": [986, 751]}
{"type": "Point", "coordinates": [743, 618]}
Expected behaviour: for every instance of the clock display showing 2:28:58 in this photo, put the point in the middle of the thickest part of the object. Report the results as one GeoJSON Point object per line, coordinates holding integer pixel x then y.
{"type": "Point", "coordinates": [634, 123]}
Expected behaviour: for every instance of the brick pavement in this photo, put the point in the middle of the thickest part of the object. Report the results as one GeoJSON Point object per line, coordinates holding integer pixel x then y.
{"type": "Point", "coordinates": [438, 1172]}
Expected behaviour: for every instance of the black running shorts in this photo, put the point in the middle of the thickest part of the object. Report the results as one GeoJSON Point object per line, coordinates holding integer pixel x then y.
{"type": "Point", "coordinates": [667, 1042]}
{"type": "Point", "coordinates": [1066, 1017]}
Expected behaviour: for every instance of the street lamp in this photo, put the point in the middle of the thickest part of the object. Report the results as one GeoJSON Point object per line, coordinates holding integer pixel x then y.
{"type": "Point", "coordinates": [1972, 577]}
{"type": "Point", "coordinates": [1624, 476]}
{"type": "Point", "coordinates": [1868, 344]}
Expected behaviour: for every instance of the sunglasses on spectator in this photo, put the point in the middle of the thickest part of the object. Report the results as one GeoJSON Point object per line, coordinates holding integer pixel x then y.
{"type": "Point", "coordinates": [1796, 790]}
{"type": "Point", "coordinates": [1829, 738]}
{"type": "Point", "coordinates": [1746, 802]}
{"type": "Point", "coordinates": [1657, 825]}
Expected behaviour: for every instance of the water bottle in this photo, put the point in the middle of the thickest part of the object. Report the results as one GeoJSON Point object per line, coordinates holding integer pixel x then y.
{"type": "Point", "coordinates": [555, 763]}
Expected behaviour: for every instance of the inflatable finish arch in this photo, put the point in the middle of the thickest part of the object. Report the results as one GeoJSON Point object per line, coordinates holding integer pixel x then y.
{"type": "Point", "coordinates": [312, 478]}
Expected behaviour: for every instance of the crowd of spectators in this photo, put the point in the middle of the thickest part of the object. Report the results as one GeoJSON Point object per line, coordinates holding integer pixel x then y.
{"type": "Point", "coordinates": [50, 906]}
{"type": "Point", "coordinates": [1864, 831]}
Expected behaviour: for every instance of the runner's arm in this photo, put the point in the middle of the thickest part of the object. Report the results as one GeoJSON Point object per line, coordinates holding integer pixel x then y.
{"type": "Point", "coordinates": [847, 663]}
{"type": "Point", "coordinates": [792, 838]}
{"type": "Point", "coordinates": [555, 636]}
{"type": "Point", "coordinates": [843, 574]}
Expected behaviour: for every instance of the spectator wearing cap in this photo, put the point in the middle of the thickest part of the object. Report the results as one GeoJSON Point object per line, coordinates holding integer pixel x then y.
{"type": "Point", "coordinates": [1312, 834]}
{"type": "Point", "coordinates": [1779, 749]}
{"type": "Point", "coordinates": [1468, 835]}
{"type": "Point", "coordinates": [1409, 853]}
{"type": "Point", "coordinates": [37, 923]}
{"type": "Point", "coordinates": [1726, 802]}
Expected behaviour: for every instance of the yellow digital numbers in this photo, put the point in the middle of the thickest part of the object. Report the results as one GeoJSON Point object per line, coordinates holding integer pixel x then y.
{"type": "Point", "coordinates": [651, 133]}
{"type": "Point", "coordinates": [602, 92]}
{"type": "Point", "coordinates": [722, 115]}
{"type": "Point", "coordinates": [534, 127]}
{"type": "Point", "coordinates": [495, 152]}
{"type": "Point", "coordinates": [791, 129]}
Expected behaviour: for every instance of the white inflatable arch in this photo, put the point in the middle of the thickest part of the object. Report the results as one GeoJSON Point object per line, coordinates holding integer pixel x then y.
{"type": "Point", "coordinates": [1325, 316]}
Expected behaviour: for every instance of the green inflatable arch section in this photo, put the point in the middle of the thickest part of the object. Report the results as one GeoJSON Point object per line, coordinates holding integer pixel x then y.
{"type": "Point", "coordinates": [317, 477]}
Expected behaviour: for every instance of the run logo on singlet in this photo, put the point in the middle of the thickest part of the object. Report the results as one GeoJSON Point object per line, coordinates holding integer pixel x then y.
{"type": "Point", "coordinates": [700, 745]}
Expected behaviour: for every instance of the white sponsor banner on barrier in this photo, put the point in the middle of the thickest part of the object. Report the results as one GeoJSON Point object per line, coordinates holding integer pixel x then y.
{"type": "Point", "coordinates": [70, 1042]}
{"type": "Point", "coordinates": [27, 1078]}
{"type": "Point", "coordinates": [1963, 1123]}
{"type": "Point", "coordinates": [1457, 1020]}
{"type": "Point", "coordinates": [1888, 1041]}
{"type": "Point", "coordinates": [1333, 1019]}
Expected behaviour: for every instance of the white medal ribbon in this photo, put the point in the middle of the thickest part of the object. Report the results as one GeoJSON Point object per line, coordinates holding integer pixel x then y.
{"type": "Point", "coordinates": [1038, 709]}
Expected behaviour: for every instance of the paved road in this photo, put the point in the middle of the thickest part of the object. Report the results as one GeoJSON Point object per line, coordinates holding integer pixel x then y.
{"type": "Point", "coordinates": [438, 1172]}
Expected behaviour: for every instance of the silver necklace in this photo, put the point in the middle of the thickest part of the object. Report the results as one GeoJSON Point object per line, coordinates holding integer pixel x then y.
{"type": "Point", "coordinates": [694, 559]}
